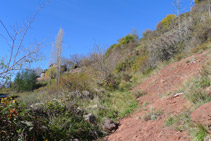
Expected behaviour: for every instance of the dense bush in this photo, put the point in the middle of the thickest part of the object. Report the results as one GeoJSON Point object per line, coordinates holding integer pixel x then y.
{"type": "Point", "coordinates": [111, 49]}
{"type": "Point", "coordinates": [77, 81]}
{"type": "Point", "coordinates": [202, 32]}
{"type": "Point", "coordinates": [140, 63]}
{"type": "Point", "coordinates": [198, 1]}
{"type": "Point", "coordinates": [124, 65]}
{"type": "Point", "coordinates": [51, 121]}
{"type": "Point", "coordinates": [127, 39]}
{"type": "Point", "coordinates": [51, 72]}
{"type": "Point", "coordinates": [25, 81]}
{"type": "Point", "coordinates": [166, 23]}
{"type": "Point", "coordinates": [111, 82]}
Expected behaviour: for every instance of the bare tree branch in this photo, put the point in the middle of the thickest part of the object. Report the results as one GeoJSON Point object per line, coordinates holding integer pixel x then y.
{"type": "Point", "coordinates": [17, 57]}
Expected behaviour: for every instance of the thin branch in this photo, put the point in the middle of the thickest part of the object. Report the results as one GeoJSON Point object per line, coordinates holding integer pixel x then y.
{"type": "Point", "coordinates": [12, 49]}
{"type": "Point", "coordinates": [24, 34]}
{"type": "Point", "coordinates": [5, 28]}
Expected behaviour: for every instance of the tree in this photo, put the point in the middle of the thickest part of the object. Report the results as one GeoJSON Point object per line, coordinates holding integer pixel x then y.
{"type": "Point", "coordinates": [209, 8]}
{"type": "Point", "coordinates": [19, 56]}
{"type": "Point", "coordinates": [198, 1]}
{"type": "Point", "coordinates": [76, 60]}
{"type": "Point", "coordinates": [25, 81]}
{"type": "Point", "coordinates": [56, 56]}
{"type": "Point", "coordinates": [58, 50]}
{"type": "Point", "coordinates": [177, 4]}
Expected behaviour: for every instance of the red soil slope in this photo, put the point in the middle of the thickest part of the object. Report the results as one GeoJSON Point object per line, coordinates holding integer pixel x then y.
{"type": "Point", "coordinates": [169, 79]}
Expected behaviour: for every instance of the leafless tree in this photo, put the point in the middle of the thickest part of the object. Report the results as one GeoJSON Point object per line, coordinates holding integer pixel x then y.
{"type": "Point", "coordinates": [209, 8]}
{"type": "Point", "coordinates": [177, 4]}
{"type": "Point", "coordinates": [102, 64]}
{"type": "Point", "coordinates": [58, 50]}
{"type": "Point", "coordinates": [76, 59]}
{"type": "Point", "coordinates": [19, 56]}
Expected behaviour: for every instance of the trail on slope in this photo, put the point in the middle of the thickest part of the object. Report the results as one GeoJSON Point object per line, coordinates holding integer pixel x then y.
{"type": "Point", "coordinates": [169, 79]}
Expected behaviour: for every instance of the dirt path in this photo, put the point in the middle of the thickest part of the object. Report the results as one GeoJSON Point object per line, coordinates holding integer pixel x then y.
{"type": "Point", "coordinates": [169, 79]}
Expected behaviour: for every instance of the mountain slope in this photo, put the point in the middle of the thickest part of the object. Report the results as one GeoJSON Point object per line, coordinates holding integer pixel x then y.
{"type": "Point", "coordinates": [170, 79]}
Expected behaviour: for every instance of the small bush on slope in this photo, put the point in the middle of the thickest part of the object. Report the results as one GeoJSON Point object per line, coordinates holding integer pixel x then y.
{"type": "Point", "coordinates": [200, 133]}
{"type": "Point", "coordinates": [195, 91]}
{"type": "Point", "coordinates": [152, 115]}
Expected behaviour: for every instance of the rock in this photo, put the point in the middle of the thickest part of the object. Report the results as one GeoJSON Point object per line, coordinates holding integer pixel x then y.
{"type": "Point", "coordinates": [79, 111]}
{"type": "Point", "coordinates": [203, 115]}
{"type": "Point", "coordinates": [87, 94]}
{"type": "Point", "coordinates": [90, 118]}
{"type": "Point", "coordinates": [36, 106]}
{"type": "Point", "coordinates": [94, 107]}
{"type": "Point", "coordinates": [82, 95]}
{"type": "Point", "coordinates": [208, 90]}
{"type": "Point", "coordinates": [207, 138]}
{"type": "Point", "coordinates": [109, 125]}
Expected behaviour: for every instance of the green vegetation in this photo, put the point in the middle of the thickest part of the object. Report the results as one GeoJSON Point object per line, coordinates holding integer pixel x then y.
{"type": "Point", "coordinates": [25, 81]}
{"type": "Point", "coordinates": [127, 39]}
{"type": "Point", "coordinates": [152, 115]}
{"type": "Point", "coordinates": [167, 21]}
{"type": "Point", "coordinates": [138, 93]}
{"type": "Point", "coordinates": [170, 121]}
{"type": "Point", "coordinates": [195, 90]}
{"type": "Point", "coordinates": [198, 1]}
{"type": "Point", "coordinates": [51, 120]}
{"type": "Point", "coordinates": [100, 86]}
{"type": "Point", "coordinates": [51, 72]}
{"type": "Point", "coordinates": [182, 122]}
{"type": "Point", "coordinates": [200, 133]}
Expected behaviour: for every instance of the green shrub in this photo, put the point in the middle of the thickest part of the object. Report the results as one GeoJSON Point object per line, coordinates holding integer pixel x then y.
{"type": "Point", "coordinates": [127, 39]}
{"type": "Point", "coordinates": [123, 66]}
{"type": "Point", "coordinates": [166, 24]}
{"type": "Point", "coordinates": [112, 82]}
{"type": "Point", "coordinates": [202, 32]}
{"type": "Point", "coordinates": [198, 97]}
{"type": "Point", "coordinates": [25, 81]}
{"type": "Point", "coordinates": [77, 81]}
{"type": "Point", "coordinates": [140, 63]}
{"type": "Point", "coordinates": [195, 90]}
{"type": "Point", "coordinates": [200, 133]}
{"type": "Point", "coordinates": [198, 1]}
{"type": "Point", "coordinates": [124, 85]}
{"type": "Point", "coordinates": [138, 93]}
{"type": "Point", "coordinates": [51, 72]}
{"type": "Point", "coordinates": [111, 49]}
{"type": "Point", "coordinates": [181, 122]}
{"type": "Point", "coordinates": [123, 102]}
{"type": "Point", "coordinates": [170, 121]}
{"type": "Point", "coordinates": [168, 20]}
{"type": "Point", "coordinates": [50, 121]}
{"type": "Point", "coordinates": [202, 47]}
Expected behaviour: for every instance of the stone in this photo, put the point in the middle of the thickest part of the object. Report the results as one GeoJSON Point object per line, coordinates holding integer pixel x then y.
{"type": "Point", "coordinates": [87, 94]}
{"type": "Point", "coordinates": [109, 125]}
{"type": "Point", "coordinates": [90, 118]}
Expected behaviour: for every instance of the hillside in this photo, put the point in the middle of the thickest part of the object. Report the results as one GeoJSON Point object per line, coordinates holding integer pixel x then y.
{"type": "Point", "coordinates": [164, 111]}
{"type": "Point", "coordinates": [156, 87]}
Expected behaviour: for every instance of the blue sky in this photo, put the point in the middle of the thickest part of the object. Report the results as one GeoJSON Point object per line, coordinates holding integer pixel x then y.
{"type": "Point", "coordinates": [84, 21]}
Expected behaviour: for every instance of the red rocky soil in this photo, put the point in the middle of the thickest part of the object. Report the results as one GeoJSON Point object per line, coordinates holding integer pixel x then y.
{"type": "Point", "coordinates": [167, 80]}
{"type": "Point", "coordinates": [203, 115]}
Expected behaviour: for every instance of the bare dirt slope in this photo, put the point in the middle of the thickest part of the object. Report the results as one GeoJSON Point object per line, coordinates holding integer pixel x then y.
{"type": "Point", "coordinates": [168, 79]}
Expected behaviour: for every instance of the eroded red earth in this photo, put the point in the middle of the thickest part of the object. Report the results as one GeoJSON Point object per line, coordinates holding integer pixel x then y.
{"type": "Point", "coordinates": [168, 80]}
